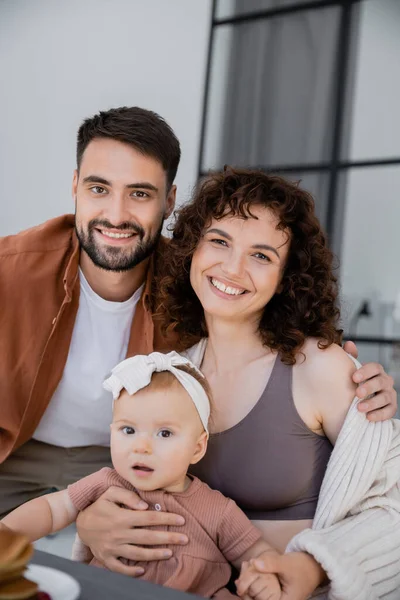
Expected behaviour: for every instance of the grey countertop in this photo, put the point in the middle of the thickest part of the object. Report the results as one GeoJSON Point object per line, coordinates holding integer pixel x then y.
{"type": "Point", "coordinates": [101, 584]}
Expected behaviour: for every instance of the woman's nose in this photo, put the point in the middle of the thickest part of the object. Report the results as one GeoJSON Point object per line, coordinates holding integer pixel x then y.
{"type": "Point", "coordinates": [233, 265]}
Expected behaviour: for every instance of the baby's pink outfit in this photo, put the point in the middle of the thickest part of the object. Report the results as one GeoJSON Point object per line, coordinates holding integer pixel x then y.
{"type": "Point", "coordinates": [217, 529]}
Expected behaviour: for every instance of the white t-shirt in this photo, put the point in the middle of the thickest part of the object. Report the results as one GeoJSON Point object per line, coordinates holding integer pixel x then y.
{"type": "Point", "coordinates": [80, 411]}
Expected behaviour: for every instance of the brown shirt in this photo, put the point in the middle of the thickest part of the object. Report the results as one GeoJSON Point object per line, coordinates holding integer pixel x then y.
{"type": "Point", "coordinates": [217, 529]}
{"type": "Point", "coordinates": [39, 292]}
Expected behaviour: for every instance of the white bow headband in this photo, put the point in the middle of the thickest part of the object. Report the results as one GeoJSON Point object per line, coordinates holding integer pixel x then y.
{"type": "Point", "coordinates": [135, 373]}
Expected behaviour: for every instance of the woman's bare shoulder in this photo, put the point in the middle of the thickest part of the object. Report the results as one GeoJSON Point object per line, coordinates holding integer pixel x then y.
{"type": "Point", "coordinates": [323, 378]}
{"type": "Point", "coordinates": [317, 361]}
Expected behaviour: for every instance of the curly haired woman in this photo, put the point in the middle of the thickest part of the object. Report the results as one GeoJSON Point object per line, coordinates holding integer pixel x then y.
{"type": "Point", "coordinates": [249, 281]}
{"type": "Point", "coordinates": [249, 291]}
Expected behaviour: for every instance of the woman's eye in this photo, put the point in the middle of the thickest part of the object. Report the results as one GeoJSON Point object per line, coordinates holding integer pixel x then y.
{"type": "Point", "coordinates": [164, 433]}
{"type": "Point", "coordinates": [262, 256]}
{"type": "Point", "coordinates": [97, 189]}
{"type": "Point", "coordinates": [128, 430]}
{"type": "Point", "coordinates": [218, 241]}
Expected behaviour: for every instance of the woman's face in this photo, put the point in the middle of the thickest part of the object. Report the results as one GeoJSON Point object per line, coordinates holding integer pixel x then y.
{"type": "Point", "coordinates": [238, 264]}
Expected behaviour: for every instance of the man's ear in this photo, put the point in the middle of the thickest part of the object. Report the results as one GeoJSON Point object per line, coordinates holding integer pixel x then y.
{"type": "Point", "coordinates": [171, 199]}
{"type": "Point", "coordinates": [201, 448]}
{"type": "Point", "coordinates": [75, 185]}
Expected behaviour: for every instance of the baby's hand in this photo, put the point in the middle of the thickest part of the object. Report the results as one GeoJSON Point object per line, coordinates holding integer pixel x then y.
{"type": "Point", "coordinates": [256, 585]}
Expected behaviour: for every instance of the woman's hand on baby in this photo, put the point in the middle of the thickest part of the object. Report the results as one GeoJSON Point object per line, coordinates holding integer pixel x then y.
{"type": "Point", "coordinates": [112, 532]}
{"type": "Point", "coordinates": [373, 381]}
{"type": "Point", "coordinates": [256, 585]}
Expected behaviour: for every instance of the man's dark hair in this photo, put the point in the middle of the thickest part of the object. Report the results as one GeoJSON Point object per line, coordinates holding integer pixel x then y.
{"type": "Point", "coordinates": [142, 129]}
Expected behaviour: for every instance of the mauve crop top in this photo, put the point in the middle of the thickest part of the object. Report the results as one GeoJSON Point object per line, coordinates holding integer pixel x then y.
{"type": "Point", "coordinates": [270, 463]}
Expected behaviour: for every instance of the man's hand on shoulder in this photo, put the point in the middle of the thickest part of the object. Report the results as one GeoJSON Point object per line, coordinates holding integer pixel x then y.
{"type": "Point", "coordinates": [375, 389]}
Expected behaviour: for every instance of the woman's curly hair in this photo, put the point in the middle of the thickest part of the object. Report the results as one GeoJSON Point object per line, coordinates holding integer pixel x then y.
{"type": "Point", "coordinates": [306, 304]}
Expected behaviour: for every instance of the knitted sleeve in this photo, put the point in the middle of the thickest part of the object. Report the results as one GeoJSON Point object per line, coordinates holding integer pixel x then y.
{"type": "Point", "coordinates": [355, 535]}
{"type": "Point", "coordinates": [87, 490]}
{"type": "Point", "coordinates": [236, 533]}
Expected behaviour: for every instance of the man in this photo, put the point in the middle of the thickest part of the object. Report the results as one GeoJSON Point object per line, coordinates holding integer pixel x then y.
{"type": "Point", "coordinates": [76, 299]}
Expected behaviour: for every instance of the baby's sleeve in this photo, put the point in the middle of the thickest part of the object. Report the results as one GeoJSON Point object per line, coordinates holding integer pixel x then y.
{"type": "Point", "coordinates": [236, 533]}
{"type": "Point", "coordinates": [87, 490]}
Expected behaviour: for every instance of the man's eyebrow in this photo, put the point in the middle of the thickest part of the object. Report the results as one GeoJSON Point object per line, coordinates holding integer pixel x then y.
{"type": "Point", "coordinates": [95, 179]}
{"type": "Point", "coordinates": [140, 185]}
{"type": "Point", "coordinates": [255, 246]}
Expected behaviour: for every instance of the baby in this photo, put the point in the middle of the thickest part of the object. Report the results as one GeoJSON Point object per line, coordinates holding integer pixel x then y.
{"type": "Point", "coordinates": [160, 427]}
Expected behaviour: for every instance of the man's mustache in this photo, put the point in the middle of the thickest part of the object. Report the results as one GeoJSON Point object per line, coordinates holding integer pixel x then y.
{"type": "Point", "coordinates": [125, 226]}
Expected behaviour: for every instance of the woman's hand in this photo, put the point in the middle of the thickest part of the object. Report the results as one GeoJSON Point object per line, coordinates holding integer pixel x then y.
{"type": "Point", "coordinates": [256, 585]}
{"type": "Point", "coordinates": [112, 532]}
{"type": "Point", "coordinates": [373, 381]}
{"type": "Point", "coordinates": [299, 574]}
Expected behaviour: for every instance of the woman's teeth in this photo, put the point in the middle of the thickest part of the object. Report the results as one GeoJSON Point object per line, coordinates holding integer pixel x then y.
{"type": "Point", "coordinates": [226, 289]}
{"type": "Point", "coordinates": [116, 235]}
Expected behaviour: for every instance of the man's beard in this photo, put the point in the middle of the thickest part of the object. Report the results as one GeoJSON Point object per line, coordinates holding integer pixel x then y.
{"type": "Point", "coordinates": [112, 258]}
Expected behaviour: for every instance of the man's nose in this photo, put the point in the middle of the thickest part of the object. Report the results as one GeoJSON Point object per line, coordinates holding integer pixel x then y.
{"type": "Point", "coordinates": [117, 210]}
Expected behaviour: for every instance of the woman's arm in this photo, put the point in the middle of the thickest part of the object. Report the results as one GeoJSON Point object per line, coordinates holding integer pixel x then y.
{"type": "Point", "coordinates": [356, 530]}
{"type": "Point", "coordinates": [42, 516]}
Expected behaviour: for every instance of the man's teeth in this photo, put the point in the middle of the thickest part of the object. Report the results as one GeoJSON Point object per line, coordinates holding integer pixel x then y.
{"type": "Point", "coordinates": [116, 235]}
{"type": "Point", "coordinates": [227, 289]}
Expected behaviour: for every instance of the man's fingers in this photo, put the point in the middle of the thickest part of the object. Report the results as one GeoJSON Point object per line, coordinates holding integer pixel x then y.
{"type": "Point", "coordinates": [148, 518]}
{"type": "Point", "coordinates": [367, 371]}
{"type": "Point", "coordinates": [113, 564]}
{"type": "Point", "coordinates": [380, 383]}
{"type": "Point", "coordinates": [150, 537]}
{"type": "Point", "coordinates": [351, 348]}
{"type": "Point", "coordinates": [120, 495]}
{"type": "Point", "coordinates": [136, 553]}
{"type": "Point", "coordinates": [382, 414]}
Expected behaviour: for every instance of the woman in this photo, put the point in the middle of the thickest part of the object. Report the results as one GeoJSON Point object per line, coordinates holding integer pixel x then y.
{"type": "Point", "coordinates": [249, 287]}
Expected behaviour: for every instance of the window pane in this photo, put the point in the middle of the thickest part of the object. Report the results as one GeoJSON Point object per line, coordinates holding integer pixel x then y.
{"type": "Point", "coordinates": [375, 131]}
{"type": "Point", "coordinates": [370, 251]}
{"type": "Point", "coordinates": [271, 91]}
{"type": "Point", "coordinates": [317, 184]}
{"type": "Point", "coordinates": [230, 8]}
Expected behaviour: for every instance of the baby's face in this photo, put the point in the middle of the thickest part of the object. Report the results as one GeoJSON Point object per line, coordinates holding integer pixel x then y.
{"type": "Point", "coordinates": [155, 436]}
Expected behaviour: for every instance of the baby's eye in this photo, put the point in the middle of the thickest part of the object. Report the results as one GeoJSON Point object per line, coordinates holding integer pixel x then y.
{"type": "Point", "coordinates": [165, 433]}
{"type": "Point", "coordinates": [128, 430]}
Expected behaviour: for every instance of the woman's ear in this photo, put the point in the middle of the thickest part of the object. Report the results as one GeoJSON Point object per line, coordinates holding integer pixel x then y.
{"type": "Point", "coordinates": [200, 450]}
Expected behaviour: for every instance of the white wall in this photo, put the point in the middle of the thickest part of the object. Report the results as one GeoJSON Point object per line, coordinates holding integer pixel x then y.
{"type": "Point", "coordinates": [371, 241]}
{"type": "Point", "coordinates": [63, 61]}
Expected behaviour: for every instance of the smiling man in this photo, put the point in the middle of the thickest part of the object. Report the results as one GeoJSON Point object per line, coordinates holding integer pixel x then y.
{"type": "Point", "coordinates": [76, 298]}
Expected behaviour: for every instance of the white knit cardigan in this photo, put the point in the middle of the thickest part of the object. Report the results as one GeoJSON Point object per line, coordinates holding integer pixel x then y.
{"type": "Point", "coordinates": [355, 534]}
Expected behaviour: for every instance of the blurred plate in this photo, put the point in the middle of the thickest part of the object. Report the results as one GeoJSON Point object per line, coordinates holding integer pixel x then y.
{"type": "Point", "coordinates": [59, 585]}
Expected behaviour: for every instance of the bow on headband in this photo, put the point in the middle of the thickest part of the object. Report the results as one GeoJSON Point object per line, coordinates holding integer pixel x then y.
{"type": "Point", "coordinates": [133, 374]}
